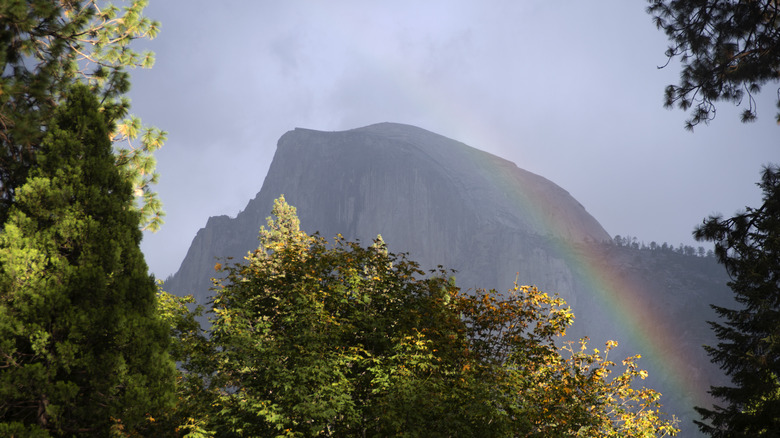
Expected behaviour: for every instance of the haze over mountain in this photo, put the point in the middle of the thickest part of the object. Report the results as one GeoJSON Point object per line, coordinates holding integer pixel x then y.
{"type": "Point", "coordinates": [448, 204]}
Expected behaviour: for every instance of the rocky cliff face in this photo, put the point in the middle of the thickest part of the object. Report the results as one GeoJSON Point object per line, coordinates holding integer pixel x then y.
{"type": "Point", "coordinates": [448, 204]}
{"type": "Point", "coordinates": [440, 200]}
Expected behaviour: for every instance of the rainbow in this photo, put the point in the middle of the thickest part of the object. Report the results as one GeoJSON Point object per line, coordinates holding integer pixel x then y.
{"type": "Point", "coordinates": [645, 327]}
{"type": "Point", "coordinates": [647, 330]}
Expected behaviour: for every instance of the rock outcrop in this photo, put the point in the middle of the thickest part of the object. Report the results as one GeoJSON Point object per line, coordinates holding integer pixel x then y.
{"type": "Point", "coordinates": [442, 201]}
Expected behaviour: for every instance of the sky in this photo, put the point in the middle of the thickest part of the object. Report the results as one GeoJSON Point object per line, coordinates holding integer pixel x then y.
{"type": "Point", "coordinates": [569, 90]}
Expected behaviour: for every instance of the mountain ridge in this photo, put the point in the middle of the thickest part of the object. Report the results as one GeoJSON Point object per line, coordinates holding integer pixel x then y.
{"type": "Point", "coordinates": [446, 203]}
{"type": "Point", "coordinates": [451, 168]}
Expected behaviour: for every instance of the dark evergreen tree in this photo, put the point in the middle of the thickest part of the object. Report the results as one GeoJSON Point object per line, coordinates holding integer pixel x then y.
{"type": "Point", "coordinates": [748, 245]}
{"type": "Point", "coordinates": [728, 49]}
{"type": "Point", "coordinates": [82, 348]}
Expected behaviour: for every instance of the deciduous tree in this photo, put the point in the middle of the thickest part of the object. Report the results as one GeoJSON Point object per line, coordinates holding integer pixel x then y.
{"type": "Point", "coordinates": [194, 355]}
{"type": "Point", "coordinates": [315, 338]}
{"type": "Point", "coordinates": [544, 389]}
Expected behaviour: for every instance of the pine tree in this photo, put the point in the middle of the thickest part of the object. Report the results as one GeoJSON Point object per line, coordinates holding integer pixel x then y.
{"type": "Point", "coordinates": [748, 245]}
{"type": "Point", "coordinates": [82, 349]}
{"type": "Point", "coordinates": [46, 46]}
{"type": "Point", "coordinates": [728, 50]}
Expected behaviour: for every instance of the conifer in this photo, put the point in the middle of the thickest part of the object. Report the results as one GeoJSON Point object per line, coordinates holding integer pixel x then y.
{"type": "Point", "coordinates": [728, 49]}
{"type": "Point", "coordinates": [748, 245]}
{"type": "Point", "coordinates": [46, 46]}
{"type": "Point", "coordinates": [82, 349]}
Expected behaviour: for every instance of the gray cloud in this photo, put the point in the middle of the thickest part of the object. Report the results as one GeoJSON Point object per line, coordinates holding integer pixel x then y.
{"type": "Point", "coordinates": [568, 90]}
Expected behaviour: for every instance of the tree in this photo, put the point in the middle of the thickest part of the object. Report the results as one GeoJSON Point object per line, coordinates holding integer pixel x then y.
{"type": "Point", "coordinates": [47, 45]}
{"type": "Point", "coordinates": [728, 50]}
{"type": "Point", "coordinates": [311, 338]}
{"type": "Point", "coordinates": [546, 390]}
{"type": "Point", "coordinates": [748, 245]}
{"type": "Point", "coordinates": [82, 348]}
{"type": "Point", "coordinates": [193, 353]}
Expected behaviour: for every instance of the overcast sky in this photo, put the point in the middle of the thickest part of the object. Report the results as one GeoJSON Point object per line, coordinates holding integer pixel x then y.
{"type": "Point", "coordinates": [569, 90]}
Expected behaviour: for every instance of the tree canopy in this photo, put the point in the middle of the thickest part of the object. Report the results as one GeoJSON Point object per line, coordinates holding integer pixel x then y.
{"type": "Point", "coordinates": [82, 348]}
{"type": "Point", "coordinates": [318, 338]}
{"type": "Point", "coordinates": [748, 245]}
{"type": "Point", "coordinates": [728, 50]}
{"type": "Point", "coordinates": [47, 45]}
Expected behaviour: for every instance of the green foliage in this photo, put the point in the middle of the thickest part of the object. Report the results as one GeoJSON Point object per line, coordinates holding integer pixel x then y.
{"type": "Point", "coordinates": [748, 245]}
{"type": "Point", "coordinates": [82, 349]}
{"type": "Point", "coordinates": [192, 351]}
{"type": "Point", "coordinates": [543, 390]}
{"type": "Point", "coordinates": [312, 338]}
{"type": "Point", "coordinates": [728, 50]}
{"type": "Point", "coordinates": [47, 45]}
